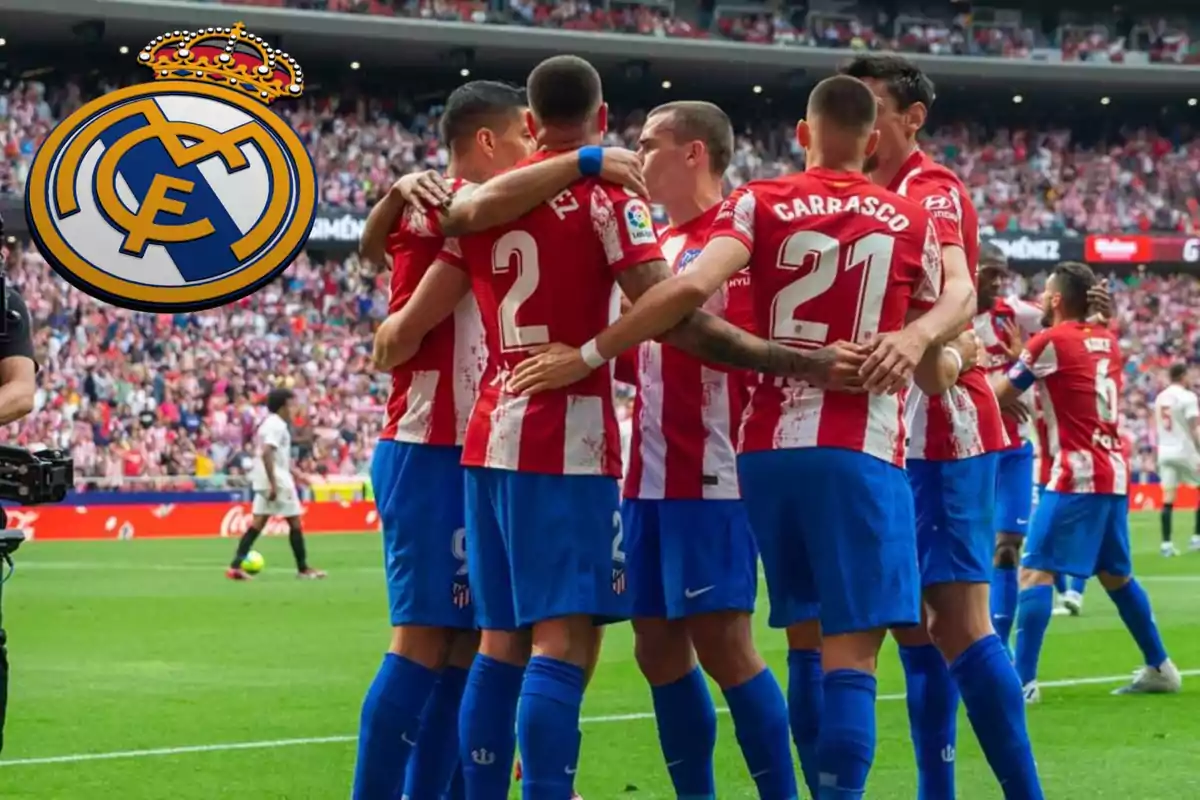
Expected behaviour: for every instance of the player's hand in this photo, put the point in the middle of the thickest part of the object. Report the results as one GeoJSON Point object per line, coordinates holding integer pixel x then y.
{"type": "Point", "coordinates": [894, 357]}
{"type": "Point", "coordinates": [968, 346]}
{"type": "Point", "coordinates": [272, 493]}
{"type": "Point", "coordinates": [1014, 343]}
{"type": "Point", "coordinates": [1100, 302]}
{"type": "Point", "coordinates": [1018, 410]}
{"type": "Point", "coordinates": [425, 190]}
{"type": "Point", "coordinates": [552, 366]}
{"type": "Point", "coordinates": [839, 366]}
{"type": "Point", "coordinates": [624, 167]}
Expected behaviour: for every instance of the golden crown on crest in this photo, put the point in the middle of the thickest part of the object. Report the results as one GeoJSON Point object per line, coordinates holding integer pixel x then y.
{"type": "Point", "coordinates": [227, 56]}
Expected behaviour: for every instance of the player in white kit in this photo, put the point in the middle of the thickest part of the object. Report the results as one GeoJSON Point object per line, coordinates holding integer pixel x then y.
{"type": "Point", "coordinates": [1177, 418]}
{"type": "Point", "coordinates": [274, 487]}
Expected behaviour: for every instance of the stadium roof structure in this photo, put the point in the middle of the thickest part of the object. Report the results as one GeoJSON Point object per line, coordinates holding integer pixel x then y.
{"type": "Point", "coordinates": [398, 42]}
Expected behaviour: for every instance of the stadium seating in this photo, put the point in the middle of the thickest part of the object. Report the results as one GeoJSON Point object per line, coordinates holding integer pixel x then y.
{"type": "Point", "coordinates": [989, 32]}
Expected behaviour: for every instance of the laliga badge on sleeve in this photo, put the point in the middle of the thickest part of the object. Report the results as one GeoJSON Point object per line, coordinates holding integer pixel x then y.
{"type": "Point", "coordinates": [184, 193]}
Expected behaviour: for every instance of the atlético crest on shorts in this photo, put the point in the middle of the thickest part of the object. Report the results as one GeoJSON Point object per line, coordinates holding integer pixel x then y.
{"type": "Point", "coordinates": [460, 592]}
{"type": "Point", "coordinates": [618, 579]}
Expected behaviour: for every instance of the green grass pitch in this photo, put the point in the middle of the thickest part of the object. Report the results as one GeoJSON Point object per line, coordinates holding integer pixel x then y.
{"type": "Point", "coordinates": [139, 672]}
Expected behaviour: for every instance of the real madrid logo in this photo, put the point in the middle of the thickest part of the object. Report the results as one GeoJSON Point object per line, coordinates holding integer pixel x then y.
{"type": "Point", "coordinates": [181, 194]}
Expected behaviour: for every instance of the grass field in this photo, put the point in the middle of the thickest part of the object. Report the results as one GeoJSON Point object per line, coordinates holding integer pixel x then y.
{"type": "Point", "coordinates": [140, 672]}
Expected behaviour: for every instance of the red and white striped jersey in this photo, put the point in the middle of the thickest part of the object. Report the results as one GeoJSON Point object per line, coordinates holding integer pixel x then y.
{"type": "Point", "coordinates": [432, 393]}
{"type": "Point", "coordinates": [964, 421]}
{"type": "Point", "coordinates": [549, 277]}
{"type": "Point", "coordinates": [992, 329]}
{"type": "Point", "coordinates": [833, 257]}
{"type": "Point", "coordinates": [1044, 458]}
{"type": "Point", "coordinates": [687, 413]}
{"type": "Point", "coordinates": [1077, 368]}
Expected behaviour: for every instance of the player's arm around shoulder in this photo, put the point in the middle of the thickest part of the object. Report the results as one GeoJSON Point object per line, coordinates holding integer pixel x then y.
{"type": "Point", "coordinates": [911, 354]}
{"type": "Point", "coordinates": [624, 229]}
{"type": "Point", "coordinates": [424, 190]}
{"type": "Point", "coordinates": [1039, 360]}
{"type": "Point", "coordinates": [511, 195]}
{"type": "Point", "coordinates": [441, 289]}
{"type": "Point", "coordinates": [955, 305]}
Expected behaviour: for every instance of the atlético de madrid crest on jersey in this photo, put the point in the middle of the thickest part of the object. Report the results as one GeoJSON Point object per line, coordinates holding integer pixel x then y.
{"type": "Point", "coordinates": [688, 257]}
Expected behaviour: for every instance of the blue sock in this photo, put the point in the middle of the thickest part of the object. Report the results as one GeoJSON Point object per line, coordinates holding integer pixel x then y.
{"type": "Point", "coordinates": [846, 746]}
{"type": "Point", "coordinates": [435, 759]}
{"type": "Point", "coordinates": [687, 733]}
{"type": "Point", "coordinates": [387, 728]}
{"type": "Point", "coordinates": [487, 721]}
{"type": "Point", "coordinates": [1134, 607]}
{"type": "Point", "coordinates": [1034, 608]}
{"type": "Point", "coordinates": [760, 721]}
{"type": "Point", "coordinates": [1061, 584]}
{"type": "Point", "coordinates": [548, 728]}
{"type": "Point", "coordinates": [991, 691]}
{"type": "Point", "coordinates": [932, 719]}
{"type": "Point", "coordinates": [806, 700]}
{"type": "Point", "coordinates": [1004, 601]}
{"type": "Point", "coordinates": [1077, 584]}
{"type": "Point", "coordinates": [457, 789]}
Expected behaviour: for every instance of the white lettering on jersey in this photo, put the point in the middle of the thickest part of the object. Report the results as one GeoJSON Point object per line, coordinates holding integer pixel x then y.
{"type": "Point", "coordinates": [564, 204]}
{"type": "Point", "coordinates": [868, 206]}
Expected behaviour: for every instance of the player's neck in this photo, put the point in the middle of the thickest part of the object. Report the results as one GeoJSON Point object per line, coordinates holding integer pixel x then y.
{"type": "Point", "coordinates": [834, 163]}
{"type": "Point", "coordinates": [558, 140]}
{"type": "Point", "coordinates": [465, 168]}
{"type": "Point", "coordinates": [886, 170]}
{"type": "Point", "coordinates": [685, 208]}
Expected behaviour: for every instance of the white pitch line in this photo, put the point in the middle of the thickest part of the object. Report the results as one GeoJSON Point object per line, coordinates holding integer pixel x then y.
{"type": "Point", "coordinates": [277, 743]}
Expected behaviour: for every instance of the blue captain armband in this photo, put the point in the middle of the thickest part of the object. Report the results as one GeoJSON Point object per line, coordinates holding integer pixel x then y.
{"type": "Point", "coordinates": [591, 159]}
{"type": "Point", "coordinates": [1021, 376]}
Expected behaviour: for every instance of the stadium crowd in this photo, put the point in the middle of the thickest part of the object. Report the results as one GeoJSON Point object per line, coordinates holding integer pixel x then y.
{"type": "Point", "coordinates": [1021, 180]}
{"type": "Point", "coordinates": [941, 31]}
{"type": "Point", "coordinates": [136, 396]}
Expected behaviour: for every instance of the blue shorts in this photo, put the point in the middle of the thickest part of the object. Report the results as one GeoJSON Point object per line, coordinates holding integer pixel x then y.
{"type": "Point", "coordinates": [955, 534]}
{"type": "Point", "coordinates": [835, 528]}
{"type": "Point", "coordinates": [419, 494]}
{"type": "Point", "coordinates": [1080, 535]}
{"type": "Point", "coordinates": [689, 557]}
{"type": "Point", "coordinates": [1014, 490]}
{"type": "Point", "coordinates": [544, 546]}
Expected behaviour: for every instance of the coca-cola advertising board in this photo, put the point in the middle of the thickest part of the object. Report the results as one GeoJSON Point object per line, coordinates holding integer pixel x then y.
{"type": "Point", "coordinates": [187, 520]}
{"type": "Point", "coordinates": [182, 520]}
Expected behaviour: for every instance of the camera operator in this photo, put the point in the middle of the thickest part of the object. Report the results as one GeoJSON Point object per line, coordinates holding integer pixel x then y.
{"type": "Point", "coordinates": [17, 373]}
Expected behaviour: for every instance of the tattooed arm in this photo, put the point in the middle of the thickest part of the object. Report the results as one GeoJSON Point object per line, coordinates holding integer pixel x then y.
{"type": "Point", "coordinates": [667, 306]}
{"type": "Point", "coordinates": [711, 338]}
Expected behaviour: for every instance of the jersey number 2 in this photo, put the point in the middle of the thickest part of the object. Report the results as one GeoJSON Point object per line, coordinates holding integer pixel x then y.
{"type": "Point", "coordinates": [824, 254]}
{"type": "Point", "coordinates": [521, 247]}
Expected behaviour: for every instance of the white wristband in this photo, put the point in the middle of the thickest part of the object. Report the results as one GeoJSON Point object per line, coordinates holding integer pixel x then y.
{"type": "Point", "coordinates": [958, 359]}
{"type": "Point", "coordinates": [591, 355]}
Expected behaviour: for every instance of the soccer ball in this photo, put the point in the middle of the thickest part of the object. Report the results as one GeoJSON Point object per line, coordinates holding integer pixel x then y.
{"type": "Point", "coordinates": [253, 562]}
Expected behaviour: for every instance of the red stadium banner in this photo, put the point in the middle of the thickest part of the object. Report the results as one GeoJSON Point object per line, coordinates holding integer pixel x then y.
{"type": "Point", "coordinates": [1141, 249]}
{"type": "Point", "coordinates": [1148, 497]}
{"type": "Point", "coordinates": [172, 520]}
